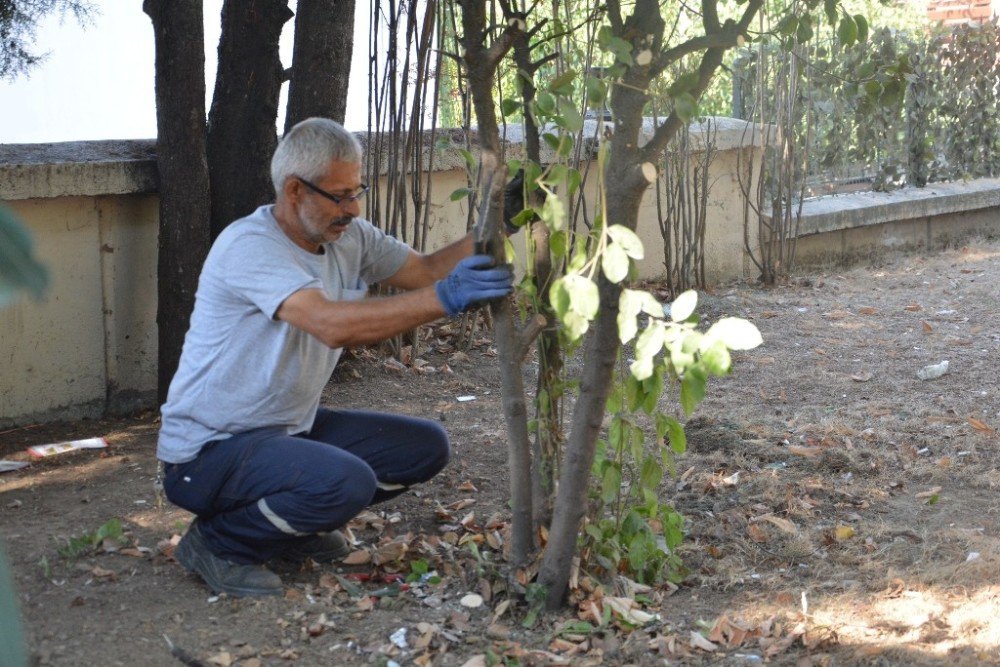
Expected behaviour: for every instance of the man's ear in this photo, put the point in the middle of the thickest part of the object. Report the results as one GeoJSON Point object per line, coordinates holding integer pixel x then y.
{"type": "Point", "coordinates": [292, 190]}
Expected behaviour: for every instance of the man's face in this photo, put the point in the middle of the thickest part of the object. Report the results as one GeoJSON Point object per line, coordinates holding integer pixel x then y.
{"type": "Point", "coordinates": [324, 221]}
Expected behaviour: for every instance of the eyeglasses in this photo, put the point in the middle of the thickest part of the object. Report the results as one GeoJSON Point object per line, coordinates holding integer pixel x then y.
{"type": "Point", "coordinates": [336, 199]}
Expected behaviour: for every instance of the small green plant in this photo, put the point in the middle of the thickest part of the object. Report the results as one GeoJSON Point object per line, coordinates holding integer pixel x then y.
{"type": "Point", "coordinates": [86, 544]}
{"type": "Point", "coordinates": [418, 570]}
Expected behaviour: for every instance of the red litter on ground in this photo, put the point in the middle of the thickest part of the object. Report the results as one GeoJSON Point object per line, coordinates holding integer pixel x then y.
{"type": "Point", "coordinates": [40, 451]}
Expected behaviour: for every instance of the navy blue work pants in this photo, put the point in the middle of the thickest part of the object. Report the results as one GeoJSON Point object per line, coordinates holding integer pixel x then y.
{"type": "Point", "coordinates": [258, 492]}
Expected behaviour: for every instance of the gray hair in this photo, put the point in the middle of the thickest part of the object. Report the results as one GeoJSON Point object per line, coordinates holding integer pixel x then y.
{"type": "Point", "coordinates": [309, 147]}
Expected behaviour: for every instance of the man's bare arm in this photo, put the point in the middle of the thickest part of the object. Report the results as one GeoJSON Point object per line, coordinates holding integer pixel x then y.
{"type": "Point", "coordinates": [346, 323]}
{"type": "Point", "coordinates": [423, 270]}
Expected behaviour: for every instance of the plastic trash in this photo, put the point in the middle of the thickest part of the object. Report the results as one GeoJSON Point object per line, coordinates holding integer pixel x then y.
{"type": "Point", "coordinates": [933, 371]}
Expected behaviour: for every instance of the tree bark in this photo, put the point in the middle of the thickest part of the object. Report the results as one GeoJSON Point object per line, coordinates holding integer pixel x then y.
{"type": "Point", "coordinates": [548, 439]}
{"type": "Point", "coordinates": [481, 63]}
{"type": "Point", "coordinates": [178, 30]}
{"type": "Point", "coordinates": [241, 123]}
{"type": "Point", "coordinates": [321, 60]}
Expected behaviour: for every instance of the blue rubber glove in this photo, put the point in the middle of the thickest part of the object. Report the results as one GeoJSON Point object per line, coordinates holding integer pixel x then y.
{"type": "Point", "coordinates": [473, 281]}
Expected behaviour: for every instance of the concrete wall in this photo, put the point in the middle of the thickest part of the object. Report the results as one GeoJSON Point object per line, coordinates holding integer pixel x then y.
{"type": "Point", "coordinates": [90, 347]}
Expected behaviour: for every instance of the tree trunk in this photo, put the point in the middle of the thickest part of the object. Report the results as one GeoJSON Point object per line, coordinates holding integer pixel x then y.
{"type": "Point", "coordinates": [178, 30]}
{"type": "Point", "coordinates": [481, 63]}
{"type": "Point", "coordinates": [601, 352]}
{"type": "Point", "coordinates": [548, 439]}
{"type": "Point", "coordinates": [321, 61]}
{"type": "Point", "coordinates": [241, 123]}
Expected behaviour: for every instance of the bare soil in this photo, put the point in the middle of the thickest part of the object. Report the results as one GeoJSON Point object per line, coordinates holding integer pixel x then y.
{"type": "Point", "coordinates": [840, 510]}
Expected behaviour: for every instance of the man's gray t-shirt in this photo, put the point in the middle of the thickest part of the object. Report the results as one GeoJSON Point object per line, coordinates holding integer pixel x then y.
{"type": "Point", "coordinates": [243, 369]}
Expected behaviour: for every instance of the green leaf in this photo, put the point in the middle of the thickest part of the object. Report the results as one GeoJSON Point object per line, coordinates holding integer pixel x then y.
{"type": "Point", "coordinates": [460, 193]}
{"type": "Point", "coordinates": [629, 305]}
{"type": "Point", "coordinates": [584, 296]}
{"type": "Point", "coordinates": [862, 24]}
{"type": "Point", "coordinates": [647, 346]}
{"type": "Point", "coordinates": [575, 325]}
{"type": "Point", "coordinates": [558, 244]}
{"type": "Point", "coordinates": [611, 483]}
{"type": "Point", "coordinates": [830, 7]}
{"type": "Point", "coordinates": [716, 359]}
{"type": "Point", "coordinates": [654, 388]}
{"type": "Point", "coordinates": [651, 474]}
{"type": "Point", "coordinates": [734, 332]}
{"type": "Point", "coordinates": [675, 434]}
{"type": "Point", "coordinates": [574, 179]}
{"type": "Point", "coordinates": [686, 107]}
{"type": "Point", "coordinates": [552, 141]}
{"type": "Point", "coordinates": [804, 32]}
{"type": "Point", "coordinates": [523, 217]}
{"type": "Point", "coordinates": [627, 239]}
{"type": "Point", "coordinates": [683, 306]}
{"type": "Point", "coordinates": [532, 170]}
{"type": "Point", "coordinates": [19, 268]}
{"type": "Point", "coordinates": [847, 31]}
{"type": "Point", "coordinates": [790, 23]}
{"type": "Point", "coordinates": [594, 532]}
{"type": "Point", "coordinates": [614, 263]}
{"type": "Point", "coordinates": [596, 91]}
{"type": "Point", "coordinates": [685, 83]}
{"type": "Point", "coordinates": [614, 402]}
{"type": "Point", "coordinates": [692, 392]}
{"type": "Point", "coordinates": [545, 103]}
{"type": "Point", "coordinates": [559, 298]}
{"type": "Point", "coordinates": [569, 116]}
{"type": "Point", "coordinates": [509, 107]}
{"type": "Point", "coordinates": [553, 213]}
{"type": "Point", "coordinates": [565, 79]}
{"type": "Point", "coordinates": [470, 159]}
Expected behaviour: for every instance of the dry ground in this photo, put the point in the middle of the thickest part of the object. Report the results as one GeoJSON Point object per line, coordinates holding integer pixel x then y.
{"type": "Point", "coordinates": [840, 510]}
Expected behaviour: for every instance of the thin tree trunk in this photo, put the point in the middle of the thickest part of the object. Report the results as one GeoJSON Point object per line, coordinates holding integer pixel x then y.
{"type": "Point", "coordinates": [481, 63]}
{"type": "Point", "coordinates": [241, 134]}
{"type": "Point", "coordinates": [178, 30]}
{"type": "Point", "coordinates": [321, 60]}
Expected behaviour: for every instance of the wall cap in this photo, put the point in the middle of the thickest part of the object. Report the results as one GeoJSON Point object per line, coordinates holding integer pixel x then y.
{"type": "Point", "coordinates": [861, 209]}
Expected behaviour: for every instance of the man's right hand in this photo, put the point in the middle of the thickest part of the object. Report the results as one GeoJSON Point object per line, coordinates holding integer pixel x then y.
{"type": "Point", "coordinates": [473, 280]}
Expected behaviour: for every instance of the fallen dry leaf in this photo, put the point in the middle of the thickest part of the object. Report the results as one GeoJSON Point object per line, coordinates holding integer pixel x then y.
{"type": "Point", "coordinates": [101, 573]}
{"type": "Point", "coordinates": [863, 376]}
{"type": "Point", "coordinates": [697, 641]}
{"type": "Point", "coordinates": [867, 310]}
{"type": "Point", "coordinates": [784, 524]}
{"type": "Point", "coordinates": [223, 659]}
{"type": "Point", "coordinates": [981, 426]}
{"type": "Point", "coordinates": [914, 308]}
{"type": "Point", "coordinates": [757, 533]}
{"type": "Point", "coordinates": [359, 557]}
{"type": "Point", "coordinates": [467, 486]}
{"type": "Point", "coordinates": [926, 326]}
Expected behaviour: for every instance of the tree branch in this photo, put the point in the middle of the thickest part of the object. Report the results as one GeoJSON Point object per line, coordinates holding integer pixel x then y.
{"type": "Point", "coordinates": [529, 332]}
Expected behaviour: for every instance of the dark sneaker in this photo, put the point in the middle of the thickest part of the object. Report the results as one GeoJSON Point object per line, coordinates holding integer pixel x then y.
{"type": "Point", "coordinates": [221, 575]}
{"type": "Point", "coordinates": [321, 547]}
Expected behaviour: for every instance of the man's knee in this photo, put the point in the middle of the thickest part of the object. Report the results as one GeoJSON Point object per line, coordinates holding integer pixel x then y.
{"type": "Point", "coordinates": [435, 450]}
{"type": "Point", "coordinates": [351, 489]}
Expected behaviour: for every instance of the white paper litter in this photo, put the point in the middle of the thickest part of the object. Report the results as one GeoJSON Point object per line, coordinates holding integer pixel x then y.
{"type": "Point", "coordinates": [465, 399]}
{"type": "Point", "coordinates": [39, 451]}
{"type": "Point", "coordinates": [8, 466]}
{"type": "Point", "coordinates": [399, 638]}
